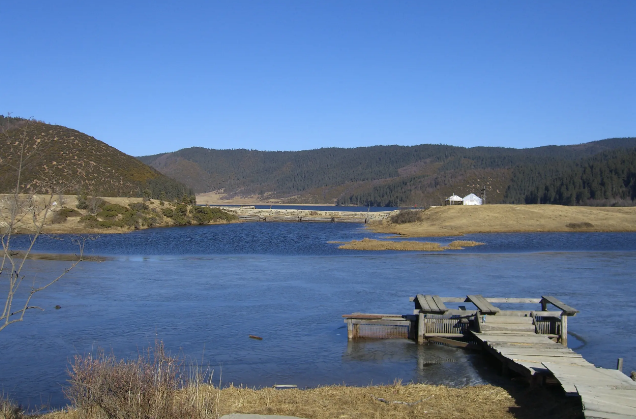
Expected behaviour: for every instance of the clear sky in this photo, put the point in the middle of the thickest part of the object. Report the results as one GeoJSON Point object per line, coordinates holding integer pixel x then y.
{"type": "Point", "coordinates": [154, 76]}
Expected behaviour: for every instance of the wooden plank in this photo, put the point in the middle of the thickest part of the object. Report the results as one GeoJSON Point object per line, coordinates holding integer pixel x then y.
{"type": "Point", "coordinates": [493, 339]}
{"type": "Point", "coordinates": [601, 375]}
{"type": "Point", "coordinates": [515, 313]}
{"type": "Point", "coordinates": [498, 319]}
{"type": "Point", "coordinates": [569, 376]}
{"type": "Point", "coordinates": [421, 301]}
{"type": "Point", "coordinates": [591, 414]}
{"type": "Point", "coordinates": [453, 299]}
{"type": "Point", "coordinates": [545, 313]}
{"type": "Point", "coordinates": [483, 305]}
{"type": "Point", "coordinates": [535, 351]}
{"type": "Point", "coordinates": [570, 311]}
{"type": "Point", "coordinates": [381, 322]}
{"type": "Point", "coordinates": [362, 316]}
{"type": "Point", "coordinates": [485, 327]}
{"type": "Point", "coordinates": [540, 359]}
{"type": "Point", "coordinates": [546, 357]}
{"type": "Point", "coordinates": [552, 346]}
{"type": "Point", "coordinates": [432, 304]}
{"type": "Point", "coordinates": [446, 335]}
{"type": "Point", "coordinates": [454, 312]}
{"type": "Point", "coordinates": [513, 300]}
{"type": "Point", "coordinates": [440, 303]}
{"type": "Point", "coordinates": [607, 400]}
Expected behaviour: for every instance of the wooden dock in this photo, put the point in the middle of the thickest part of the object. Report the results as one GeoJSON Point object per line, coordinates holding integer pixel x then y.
{"type": "Point", "coordinates": [529, 343]}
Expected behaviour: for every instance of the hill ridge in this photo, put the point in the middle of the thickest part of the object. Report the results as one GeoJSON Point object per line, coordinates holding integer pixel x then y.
{"type": "Point", "coordinates": [65, 160]}
{"type": "Point", "coordinates": [389, 175]}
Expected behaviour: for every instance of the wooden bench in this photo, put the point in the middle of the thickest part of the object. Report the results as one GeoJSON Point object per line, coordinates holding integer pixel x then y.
{"type": "Point", "coordinates": [430, 304]}
{"type": "Point", "coordinates": [482, 304]}
{"type": "Point", "coordinates": [567, 310]}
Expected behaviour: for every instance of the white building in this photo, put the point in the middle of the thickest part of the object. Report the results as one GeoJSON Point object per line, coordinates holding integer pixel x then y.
{"type": "Point", "coordinates": [472, 199]}
{"type": "Point", "coordinates": [454, 200]}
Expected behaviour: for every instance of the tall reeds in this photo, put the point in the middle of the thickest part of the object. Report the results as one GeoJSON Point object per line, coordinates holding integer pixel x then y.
{"type": "Point", "coordinates": [154, 385]}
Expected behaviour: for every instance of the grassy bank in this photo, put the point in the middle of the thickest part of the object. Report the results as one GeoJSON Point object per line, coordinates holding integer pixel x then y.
{"type": "Point", "coordinates": [161, 386]}
{"type": "Point", "coordinates": [459, 220]}
{"type": "Point", "coordinates": [96, 215]}
{"type": "Point", "coordinates": [391, 402]}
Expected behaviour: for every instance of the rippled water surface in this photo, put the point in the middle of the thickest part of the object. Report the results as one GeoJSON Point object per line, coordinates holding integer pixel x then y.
{"type": "Point", "coordinates": [203, 290]}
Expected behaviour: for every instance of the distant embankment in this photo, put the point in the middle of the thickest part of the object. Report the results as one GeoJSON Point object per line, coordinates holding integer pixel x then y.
{"type": "Point", "coordinates": [293, 215]}
{"type": "Point", "coordinates": [460, 219]}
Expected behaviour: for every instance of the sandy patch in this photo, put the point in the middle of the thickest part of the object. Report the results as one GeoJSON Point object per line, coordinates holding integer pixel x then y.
{"type": "Point", "coordinates": [370, 244]}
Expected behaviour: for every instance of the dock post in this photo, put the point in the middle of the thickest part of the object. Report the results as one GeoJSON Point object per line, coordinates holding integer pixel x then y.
{"type": "Point", "coordinates": [350, 329]}
{"type": "Point", "coordinates": [564, 329]}
{"type": "Point", "coordinates": [420, 328]}
{"type": "Point", "coordinates": [619, 364]}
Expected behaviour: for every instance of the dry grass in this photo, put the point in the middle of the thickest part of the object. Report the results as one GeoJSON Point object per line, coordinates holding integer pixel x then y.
{"type": "Point", "coordinates": [371, 244]}
{"type": "Point", "coordinates": [459, 219]}
{"type": "Point", "coordinates": [395, 401]}
{"type": "Point", "coordinates": [155, 386]}
{"type": "Point", "coordinates": [460, 244]}
{"type": "Point", "coordinates": [8, 409]}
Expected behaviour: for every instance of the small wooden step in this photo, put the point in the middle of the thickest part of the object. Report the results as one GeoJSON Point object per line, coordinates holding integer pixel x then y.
{"type": "Point", "coordinates": [487, 327]}
{"type": "Point", "coordinates": [507, 320]}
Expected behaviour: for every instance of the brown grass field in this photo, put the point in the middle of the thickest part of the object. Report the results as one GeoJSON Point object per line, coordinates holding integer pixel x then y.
{"type": "Point", "coordinates": [376, 402]}
{"type": "Point", "coordinates": [459, 220]}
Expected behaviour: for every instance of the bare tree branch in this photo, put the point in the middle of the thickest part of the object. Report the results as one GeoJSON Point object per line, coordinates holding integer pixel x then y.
{"type": "Point", "coordinates": [15, 211]}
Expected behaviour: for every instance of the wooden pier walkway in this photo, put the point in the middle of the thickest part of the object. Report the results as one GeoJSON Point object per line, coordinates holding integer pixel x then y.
{"type": "Point", "coordinates": [532, 344]}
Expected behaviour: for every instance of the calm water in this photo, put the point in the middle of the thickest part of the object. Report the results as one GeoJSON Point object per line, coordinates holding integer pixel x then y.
{"type": "Point", "coordinates": [203, 290]}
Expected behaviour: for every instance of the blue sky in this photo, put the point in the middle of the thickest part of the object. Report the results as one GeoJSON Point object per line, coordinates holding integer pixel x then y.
{"type": "Point", "coordinates": [154, 76]}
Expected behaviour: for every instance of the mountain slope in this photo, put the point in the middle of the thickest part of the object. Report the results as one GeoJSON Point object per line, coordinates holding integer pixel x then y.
{"type": "Point", "coordinates": [381, 175]}
{"type": "Point", "coordinates": [63, 160]}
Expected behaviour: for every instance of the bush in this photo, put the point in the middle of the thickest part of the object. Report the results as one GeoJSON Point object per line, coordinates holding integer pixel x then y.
{"type": "Point", "coordinates": [89, 220]}
{"type": "Point", "coordinates": [112, 211]}
{"type": "Point", "coordinates": [9, 410]}
{"type": "Point", "coordinates": [202, 215]}
{"type": "Point", "coordinates": [60, 216]}
{"type": "Point", "coordinates": [145, 387]}
{"type": "Point", "coordinates": [95, 203]}
{"type": "Point", "coordinates": [82, 201]}
{"type": "Point", "coordinates": [70, 212]}
{"type": "Point", "coordinates": [406, 216]}
{"type": "Point", "coordinates": [167, 212]}
{"type": "Point", "coordinates": [138, 206]}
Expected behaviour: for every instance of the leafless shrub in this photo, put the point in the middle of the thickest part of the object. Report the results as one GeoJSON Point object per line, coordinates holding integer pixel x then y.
{"type": "Point", "coordinates": [146, 387]}
{"type": "Point", "coordinates": [406, 216]}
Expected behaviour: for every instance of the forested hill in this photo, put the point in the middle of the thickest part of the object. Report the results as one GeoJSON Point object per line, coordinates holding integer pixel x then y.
{"type": "Point", "coordinates": [605, 179]}
{"type": "Point", "coordinates": [64, 160]}
{"type": "Point", "coordinates": [381, 175]}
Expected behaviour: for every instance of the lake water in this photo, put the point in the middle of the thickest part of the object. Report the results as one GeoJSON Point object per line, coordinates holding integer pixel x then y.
{"type": "Point", "coordinates": [204, 290]}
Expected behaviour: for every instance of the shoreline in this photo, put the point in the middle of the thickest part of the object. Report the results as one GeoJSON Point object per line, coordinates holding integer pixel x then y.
{"type": "Point", "coordinates": [461, 220]}
{"type": "Point", "coordinates": [397, 401]}
{"type": "Point", "coordinates": [66, 257]}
